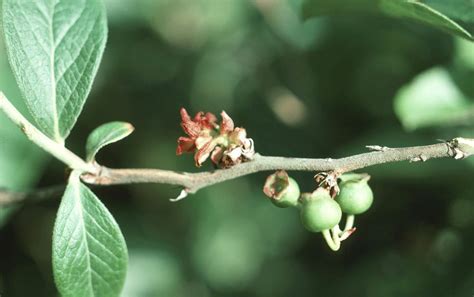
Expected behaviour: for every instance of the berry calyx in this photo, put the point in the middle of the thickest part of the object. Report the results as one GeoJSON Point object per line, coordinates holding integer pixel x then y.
{"type": "Point", "coordinates": [290, 195]}
{"type": "Point", "coordinates": [282, 190]}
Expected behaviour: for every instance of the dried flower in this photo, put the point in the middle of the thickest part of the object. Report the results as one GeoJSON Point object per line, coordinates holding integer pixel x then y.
{"type": "Point", "coordinates": [224, 144]}
{"type": "Point", "coordinates": [328, 180]}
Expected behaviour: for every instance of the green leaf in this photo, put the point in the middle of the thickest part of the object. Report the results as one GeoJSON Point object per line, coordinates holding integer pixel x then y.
{"type": "Point", "coordinates": [431, 99]}
{"type": "Point", "coordinates": [54, 48]}
{"type": "Point", "coordinates": [452, 16]}
{"type": "Point", "coordinates": [104, 135]}
{"type": "Point", "coordinates": [89, 251]}
{"type": "Point", "coordinates": [462, 10]}
{"type": "Point", "coordinates": [421, 12]}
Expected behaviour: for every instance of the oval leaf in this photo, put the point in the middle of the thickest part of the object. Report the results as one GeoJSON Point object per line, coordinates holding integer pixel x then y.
{"type": "Point", "coordinates": [54, 48]}
{"type": "Point", "coordinates": [89, 251]}
{"type": "Point", "coordinates": [105, 135]}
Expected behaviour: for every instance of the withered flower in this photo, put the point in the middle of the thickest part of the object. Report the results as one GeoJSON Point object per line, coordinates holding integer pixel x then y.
{"type": "Point", "coordinates": [223, 143]}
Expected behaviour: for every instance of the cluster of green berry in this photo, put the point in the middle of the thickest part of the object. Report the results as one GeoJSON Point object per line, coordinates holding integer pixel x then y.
{"type": "Point", "coordinates": [321, 210]}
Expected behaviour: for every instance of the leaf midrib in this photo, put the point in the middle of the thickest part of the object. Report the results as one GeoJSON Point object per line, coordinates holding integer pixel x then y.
{"type": "Point", "coordinates": [78, 200]}
{"type": "Point", "coordinates": [57, 134]}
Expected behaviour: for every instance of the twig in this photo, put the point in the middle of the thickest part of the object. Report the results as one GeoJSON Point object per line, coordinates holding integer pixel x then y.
{"type": "Point", "coordinates": [457, 148]}
{"type": "Point", "coordinates": [8, 198]}
{"type": "Point", "coordinates": [192, 182]}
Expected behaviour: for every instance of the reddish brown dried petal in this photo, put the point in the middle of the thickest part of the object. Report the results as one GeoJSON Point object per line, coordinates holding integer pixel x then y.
{"type": "Point", "coordinates": [205, 121]}
{"type": "Point", "coordinates": [203, 153]}
{"type": "Point", "coordinates": [227, 123]}
{"type": "Point", "coordinates": [185, 145]}
{"type": "Point", "coordinates": [238, 136]}
{"type": "Point", "coordinates": [184, 115]}
{"type": "Point", "coordinates": [192, 129]}
{"type": "Point", "coordinates": [217, 155]}
{"type": "Point", "coordinates": [234, 154]}
{"type": "Point", "coordinates": [211, 118]}
{"type": "Point", "coordinates": [248, 150]}
{"type": "Point", "coordinates": [202, 140]}
{"type": "Point", "coordinates": [198, 116]}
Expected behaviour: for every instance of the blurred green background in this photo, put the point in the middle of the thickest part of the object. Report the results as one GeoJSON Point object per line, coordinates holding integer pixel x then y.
{"type": "Point", "coordinates": [325, 87]}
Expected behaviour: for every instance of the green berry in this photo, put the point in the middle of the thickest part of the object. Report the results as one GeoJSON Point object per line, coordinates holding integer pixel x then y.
{"type": "Point", "coordinates": [320, 213]}
{"type": "Point", "coordinates": [355, 197]}
{"type": "Point", "coordinates": [289, 196]}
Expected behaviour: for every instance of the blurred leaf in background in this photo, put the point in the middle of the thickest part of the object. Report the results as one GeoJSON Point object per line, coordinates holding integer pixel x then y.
{"type": "Point", "coordinates": [162, 278]}
{"type": "Point", "coordinates": [463, 66]}
{"type": "Point", "coordinates": [432, 99]}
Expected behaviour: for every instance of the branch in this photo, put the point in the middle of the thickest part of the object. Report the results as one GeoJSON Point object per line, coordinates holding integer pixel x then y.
{"type": "Point", "coordinates": [457, 148]}
{"type": "Point", "coordinates": [192, 182]}
{"type": "Point", "coordinates": [9, 198]}
{"type": "Point", "coordinates": [56, 149]}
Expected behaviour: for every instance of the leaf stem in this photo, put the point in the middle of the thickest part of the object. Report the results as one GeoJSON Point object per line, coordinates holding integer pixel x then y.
{"type": "Point", "coordinates": [56, 149]}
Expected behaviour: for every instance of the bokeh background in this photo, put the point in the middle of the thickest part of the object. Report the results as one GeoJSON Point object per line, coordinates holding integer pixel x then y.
{"type": "Point", "coordinates": [325, 87]}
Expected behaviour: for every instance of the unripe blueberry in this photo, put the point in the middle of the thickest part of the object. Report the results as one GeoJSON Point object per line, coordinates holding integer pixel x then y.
{"type": "Point", "coordinates": [355, 197]}
{"type": "Point", "coordinates": [320, 212]}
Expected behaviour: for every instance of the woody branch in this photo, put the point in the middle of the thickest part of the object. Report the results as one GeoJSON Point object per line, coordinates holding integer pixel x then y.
{"type": "Point", "coordinates": [229, 148]}
{"type": "Point", "coordinates": [192, 182]}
